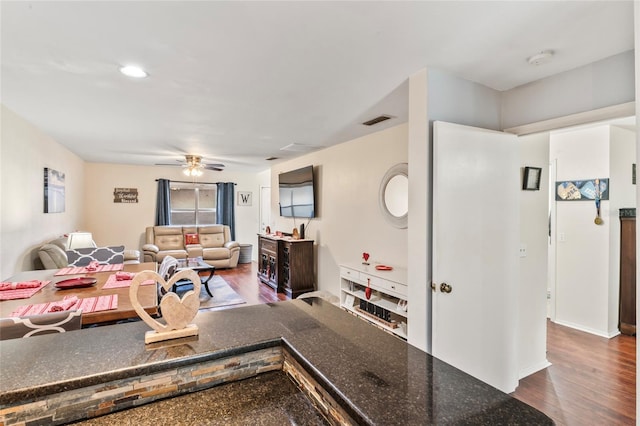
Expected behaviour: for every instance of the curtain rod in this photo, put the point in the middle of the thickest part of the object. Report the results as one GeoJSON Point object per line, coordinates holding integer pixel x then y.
{"type": "Point", "coordinates": [197, 183]}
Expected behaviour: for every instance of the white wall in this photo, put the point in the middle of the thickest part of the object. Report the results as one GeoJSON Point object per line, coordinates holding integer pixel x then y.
{"type": "Point", "coordinates": [419, 268]}
{"type": "Point", "coordinates": [583, 259]}
{"type": "Point", "coordinates": [118, 223]}
{"type": "Point", "coordinates": [597, 85]}
{"type": "Point", "coordinates": [24, 152]}
{"type": "Point", "coordinates": [534, 217]}
{"type": "Point", "coordinates": [461, 101]}
{"type": "Point", "coordinates": [264, 181]}
{"type": "Point", "coordinates": [349, 221]}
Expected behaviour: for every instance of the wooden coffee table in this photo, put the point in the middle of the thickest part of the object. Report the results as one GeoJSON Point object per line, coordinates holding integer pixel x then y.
{"type": "Point", "coordinates": [198, 265]}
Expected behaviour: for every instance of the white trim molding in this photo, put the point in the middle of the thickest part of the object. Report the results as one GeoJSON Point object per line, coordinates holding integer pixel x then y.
{"type": "Point", "coordinates": [602, 114]}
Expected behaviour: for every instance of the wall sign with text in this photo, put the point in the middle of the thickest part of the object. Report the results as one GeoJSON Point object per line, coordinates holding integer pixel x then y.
{"type": "Point", "coordinates": [125, 195]}
{"type": "Point", "coordinates": [244, 198]}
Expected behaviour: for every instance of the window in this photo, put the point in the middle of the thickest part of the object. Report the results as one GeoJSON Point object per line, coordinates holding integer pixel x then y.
{"type": "Point", "coordinates": [193, 204]}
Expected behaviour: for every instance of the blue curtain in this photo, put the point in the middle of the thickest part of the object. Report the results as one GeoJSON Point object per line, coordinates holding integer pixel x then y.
{"type": "Point", "coordinates": [225, 213]}
{"type": "Point", "coordinates": [163, 203]}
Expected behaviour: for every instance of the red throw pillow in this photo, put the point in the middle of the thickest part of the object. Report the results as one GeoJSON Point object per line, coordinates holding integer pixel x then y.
{"type": "Point", "coordinates": [191, 239]}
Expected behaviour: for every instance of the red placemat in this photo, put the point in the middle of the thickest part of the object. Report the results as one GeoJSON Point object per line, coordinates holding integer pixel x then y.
{"type": "Point", "coordinates": [88, 304]}
{"type": "Point", "coordinates": [21, 293]}
{"type": "Point", "coordinates": [112, 282]}
{"type": "Point", "coordinates": [72, 270]}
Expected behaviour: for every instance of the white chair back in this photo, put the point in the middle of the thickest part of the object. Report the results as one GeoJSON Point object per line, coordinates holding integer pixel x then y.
{"type": "Point", "coordinates": [168, 267]}
{"type": "Point", "coordinates": [35, 325]}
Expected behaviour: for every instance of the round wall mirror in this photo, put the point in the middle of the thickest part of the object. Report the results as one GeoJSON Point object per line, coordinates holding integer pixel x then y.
{"type": "Point", "coordinates": [394, 195]}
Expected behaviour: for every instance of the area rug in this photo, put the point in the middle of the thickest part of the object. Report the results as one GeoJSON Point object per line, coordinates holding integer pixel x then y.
{"type": "Point", "coordinates": [223, 294]}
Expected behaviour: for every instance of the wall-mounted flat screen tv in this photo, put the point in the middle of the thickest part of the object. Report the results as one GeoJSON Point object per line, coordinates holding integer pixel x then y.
{"type": "Point", "coordinates": [296, 193]}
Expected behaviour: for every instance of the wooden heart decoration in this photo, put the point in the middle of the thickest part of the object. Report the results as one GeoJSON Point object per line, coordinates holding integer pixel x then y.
{"type": "Point", "coordinates": [177, 312]}
{"type": "Point", "coordinates": [365, 256]}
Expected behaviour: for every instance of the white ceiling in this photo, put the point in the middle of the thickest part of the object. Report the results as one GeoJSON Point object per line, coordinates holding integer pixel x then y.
{"type": "Point", "coordinates": [237, 81]}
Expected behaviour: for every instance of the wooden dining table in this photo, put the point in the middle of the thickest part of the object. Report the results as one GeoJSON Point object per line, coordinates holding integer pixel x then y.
{"type": "Point", "coordinates": [147, 294]}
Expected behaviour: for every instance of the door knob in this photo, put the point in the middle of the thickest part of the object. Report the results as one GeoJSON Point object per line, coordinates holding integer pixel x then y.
{"type": "Point", "coordinates": [445, 288]}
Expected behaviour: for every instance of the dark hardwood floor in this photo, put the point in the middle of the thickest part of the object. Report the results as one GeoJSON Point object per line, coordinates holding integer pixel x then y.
{"type": "Point", "coordinates": [591, 380]}
{"type": "Point", "coordinates": [244, 280]}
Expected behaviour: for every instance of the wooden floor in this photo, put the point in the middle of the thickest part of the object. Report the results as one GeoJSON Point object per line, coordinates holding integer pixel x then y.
{"type": "Point", "coordinates": [244, 280]}
{"type": "Point", "coordinates": [591, 380]}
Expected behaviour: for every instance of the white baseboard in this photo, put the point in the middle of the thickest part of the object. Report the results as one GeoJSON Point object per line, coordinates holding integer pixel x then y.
{"type": "Point", "coordinates": [614, 333]}
{"type": "Point", "coordinates": [585, 329]}
{"type": "Point", "coordinates": [527, 371]}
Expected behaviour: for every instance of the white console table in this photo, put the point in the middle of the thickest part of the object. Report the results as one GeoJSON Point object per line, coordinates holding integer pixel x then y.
{"type": "Point", "coordinates": [387, 306]}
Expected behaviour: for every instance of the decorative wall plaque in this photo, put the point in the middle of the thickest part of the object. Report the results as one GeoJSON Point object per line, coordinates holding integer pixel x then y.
{"type": "Point", "coordinates": [125, 195]}
{"type": "Point", "coordinates": [582, 190]}
{"type": "Point", "coordinates": [244, 198]}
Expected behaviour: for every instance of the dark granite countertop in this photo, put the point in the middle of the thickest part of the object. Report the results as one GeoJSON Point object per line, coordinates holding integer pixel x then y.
{"type": "Point", "coordinates": [383, 380]}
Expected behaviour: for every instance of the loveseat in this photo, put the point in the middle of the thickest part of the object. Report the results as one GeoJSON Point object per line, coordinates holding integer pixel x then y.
{"type": "Point", "coordinates": [212, 243]}
{"type": "Point", "coordinates": [53, 255]}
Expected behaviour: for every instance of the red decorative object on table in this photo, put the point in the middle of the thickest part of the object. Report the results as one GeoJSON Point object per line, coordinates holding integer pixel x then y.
{"type": "Point", "coordinates": [365, 256]}
{"type": "Point", "coordinates": [78, 282]}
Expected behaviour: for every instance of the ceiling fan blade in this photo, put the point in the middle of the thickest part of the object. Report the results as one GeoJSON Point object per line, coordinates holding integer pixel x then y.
{"type": "Point", "coordinates": [165, 164]}
{"type": "Point", "coordinates": [214, 167]}
{"type": "Point", "coordinates": [213, 164]}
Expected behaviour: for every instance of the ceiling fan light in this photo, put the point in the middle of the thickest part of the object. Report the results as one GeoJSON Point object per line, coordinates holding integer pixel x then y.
{"type": "Point", "coordinates": [193, 170]}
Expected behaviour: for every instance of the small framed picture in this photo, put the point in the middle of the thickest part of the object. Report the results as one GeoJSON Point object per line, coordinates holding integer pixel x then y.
{"type": "Point", "coordinates": [531, 178]}
{"type": "Point", "coordinates": [348, 300]}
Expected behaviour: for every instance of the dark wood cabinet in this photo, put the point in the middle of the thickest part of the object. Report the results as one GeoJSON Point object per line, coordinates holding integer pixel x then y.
{"type": "Point", "coordinates": [286, 265]}
{"type": "Point", "coordinates": [627, 315]}
{"type": "Point", "coordinates": [268, 262]}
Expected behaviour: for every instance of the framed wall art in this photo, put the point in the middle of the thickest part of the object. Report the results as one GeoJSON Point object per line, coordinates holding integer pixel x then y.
{"type": "Point", "coordinates": [53, 191]}
{"type": "Point", "coordinates": [531, 178]}
{"type": "Point", "coordinates": [582, 190]}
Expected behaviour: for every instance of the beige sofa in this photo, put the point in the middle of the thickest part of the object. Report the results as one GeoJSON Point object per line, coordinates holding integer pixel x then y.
{"type": "Point", "coordinates": [213, 244]}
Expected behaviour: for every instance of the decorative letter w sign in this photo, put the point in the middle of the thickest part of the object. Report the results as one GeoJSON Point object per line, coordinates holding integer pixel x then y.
{"type": "Point", "coordinates": [244, 198]}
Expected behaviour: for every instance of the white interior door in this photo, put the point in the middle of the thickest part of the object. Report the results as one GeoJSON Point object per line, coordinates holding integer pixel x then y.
{"type": "Point", "coordinates": [265, 207]}
{"type": "Point", "coordinates": [476, 179]}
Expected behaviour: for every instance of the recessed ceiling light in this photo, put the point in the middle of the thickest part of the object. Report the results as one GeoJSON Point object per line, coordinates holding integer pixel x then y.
{"type": "Point", "coordinates": [133, 71]}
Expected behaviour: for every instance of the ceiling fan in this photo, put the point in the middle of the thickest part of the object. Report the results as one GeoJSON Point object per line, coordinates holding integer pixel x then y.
{"type": "Point", "coordinates": [193, 165]}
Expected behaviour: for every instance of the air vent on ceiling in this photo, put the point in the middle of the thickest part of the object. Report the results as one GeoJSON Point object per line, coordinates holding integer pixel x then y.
{"type": "Point", "coordinates": [377, 120]}
{"type": "Point", "coordinates": [272, 158]}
